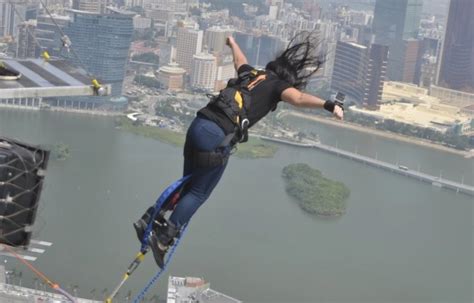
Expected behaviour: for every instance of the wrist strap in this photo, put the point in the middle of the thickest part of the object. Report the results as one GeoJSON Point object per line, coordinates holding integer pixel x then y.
{"type": "Point", "coordinates": [329, 106]}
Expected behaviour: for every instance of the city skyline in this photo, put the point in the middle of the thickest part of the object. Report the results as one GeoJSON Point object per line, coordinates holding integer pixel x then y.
{"type": "Point", "coordinates": [184, 32]}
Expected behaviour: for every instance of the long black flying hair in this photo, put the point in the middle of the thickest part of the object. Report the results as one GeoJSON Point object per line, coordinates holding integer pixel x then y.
{"type": "Point", "coordinates": [299, 61]}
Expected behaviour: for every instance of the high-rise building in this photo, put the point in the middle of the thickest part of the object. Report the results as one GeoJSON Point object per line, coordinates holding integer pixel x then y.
{"type": "Point", "coordinates": [188, 44]}
{"type": "Point", "coordinates": [427, 67]}
{"type": "Point", "coordinates": [273, 12]}
{"type": "Point", "coordinates": [204, 71]}
{"type": "Point", "coordinates": [457, 63]}
{"type": "Point", "coordinates": [411, 60]}
{"type": "Point", "coordinates": [359, 72]}
{"type": "Point", "coordinates": [26, 47]}
{"type": "Point", "coordinates": [327, 32]}
{"type": "Point", "coordinates": [48, 34]}
{"type": "Point", "coordinates": [7, 16]}
{"type": "Point", "coordinates": [225, 71]}
{"type": "Point", "coordinates": [215, 38]}
{"type": "Point", "coordinates": [259, 49]}
{"type": "Point", "coordinates": [10, 19]}
{"type": "Point", "coordinates": [364, 36]}
{"type": "Point", "coordinates": [376, 71]}
{"type": "Point", "coordinates": [350, 70]}
{"type": "Point", "coordinates": [279, 4]}
{"type": "Point", "coordinates": [394, 22]}
{"type": "Point", "coordinates": [102, 42]}
{"type": "Point", "coordinates": [95, 6]}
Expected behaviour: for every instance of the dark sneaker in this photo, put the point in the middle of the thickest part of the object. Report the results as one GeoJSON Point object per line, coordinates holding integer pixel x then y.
{"type": "Point", "coordinates": [161, 240]}
{"type": "Point", "coordinates": [159, 250]}
{"type": "Point", "coordinates": [140, 227]}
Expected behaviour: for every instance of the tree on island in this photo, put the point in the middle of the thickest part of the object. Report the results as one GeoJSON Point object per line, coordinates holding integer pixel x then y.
{"type": "Point", "coordinates": [315, 194]}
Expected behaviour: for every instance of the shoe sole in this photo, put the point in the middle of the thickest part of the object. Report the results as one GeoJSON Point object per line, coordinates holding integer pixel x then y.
{"type": "Point", "coordinates": [140, 227]}
{"type": "Point", "coordinates": [158, 254]}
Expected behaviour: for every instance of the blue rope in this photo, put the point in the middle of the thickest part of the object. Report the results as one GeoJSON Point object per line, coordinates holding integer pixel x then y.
{"type": "Point", "coordinates": [156, 208]}
{"type": "Point", "coordinates": [139, 298]}
{"type": "Point", "coordinates": [158, 204]}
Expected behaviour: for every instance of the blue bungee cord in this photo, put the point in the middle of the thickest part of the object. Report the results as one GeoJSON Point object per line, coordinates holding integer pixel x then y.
{"type": "Point", "coordinates": [152, 281]}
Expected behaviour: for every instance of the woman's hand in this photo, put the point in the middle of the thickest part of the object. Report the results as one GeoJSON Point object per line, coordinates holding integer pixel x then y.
{"type": "Point", "coordinates": [230, 41]}
{"type": "Point", "coordinates": [338, 112]}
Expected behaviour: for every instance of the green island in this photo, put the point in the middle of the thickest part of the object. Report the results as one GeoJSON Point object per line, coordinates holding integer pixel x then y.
{"type": "Point", "coordinates": [315, 194]}
{"type": "Point", "coordinates": [253, 149]}
{"type": "Point", "coordinates": [61, 151]}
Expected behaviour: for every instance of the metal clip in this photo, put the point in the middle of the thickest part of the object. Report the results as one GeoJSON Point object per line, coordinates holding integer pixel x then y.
{"type": "Point", "coordinates": [245, 124]}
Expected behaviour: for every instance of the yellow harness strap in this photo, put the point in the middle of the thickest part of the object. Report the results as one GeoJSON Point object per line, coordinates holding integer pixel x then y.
{"type": "Point", "coordinates": [238, 96]}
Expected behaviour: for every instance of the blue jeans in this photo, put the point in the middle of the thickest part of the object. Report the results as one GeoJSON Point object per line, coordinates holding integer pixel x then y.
{"type": "Point", "coordinates": [202, 135]}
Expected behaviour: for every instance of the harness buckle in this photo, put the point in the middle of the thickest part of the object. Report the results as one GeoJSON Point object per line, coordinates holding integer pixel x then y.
{"type": "Point", "coordinates": [245, 123]}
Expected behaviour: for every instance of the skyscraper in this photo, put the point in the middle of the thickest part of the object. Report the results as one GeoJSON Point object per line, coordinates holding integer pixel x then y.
{"type": "Point", "coordinates": [188, 44]}
{"type": "Point", "coordinates": [215, 38]}
{"type": "Point", "coordinates": [359, 72]}
{"type": "Point", "coordinates": [376, 71]}
{"type": "Point", "coordinates": [350, 70]}
{"type": "Point", "coordinates": [427, 68]}
{"type": "Point", "coordinates": [394, 22]}
{"type": "Point", "coordinates": [204, 72]}
{"type": "Point", "coordinates": [102, 42]}
{"type": "Point", "coordinates": [259, 49]}
{"type": "Point", "coordinates": [9, 20]}
{"type": "Point", "coordinates": [457, 65]}
{"type": "Point", "coordinates": [26, 46]}
{"type": "Point", "coordinates": [225, 71]}
{"type": "Point", "coordinates": [47, 33]}
{"type": "Point", "coordinates": [411, 60]}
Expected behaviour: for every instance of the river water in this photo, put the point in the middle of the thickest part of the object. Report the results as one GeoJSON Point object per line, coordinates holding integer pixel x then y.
{"type": "Point", "coordinates": [400, 241]}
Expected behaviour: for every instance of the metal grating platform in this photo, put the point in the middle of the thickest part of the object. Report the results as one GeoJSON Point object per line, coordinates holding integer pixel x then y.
{"type": "Point", "coordinates": [41, 79]}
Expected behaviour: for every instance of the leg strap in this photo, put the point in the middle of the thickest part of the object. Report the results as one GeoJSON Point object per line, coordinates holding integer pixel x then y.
{"type": "Point", "coordinates": [210, 159]}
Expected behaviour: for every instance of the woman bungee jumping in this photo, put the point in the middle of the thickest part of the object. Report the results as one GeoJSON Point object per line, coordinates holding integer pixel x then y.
{"type": "Point", "coordinates": [224, 122]}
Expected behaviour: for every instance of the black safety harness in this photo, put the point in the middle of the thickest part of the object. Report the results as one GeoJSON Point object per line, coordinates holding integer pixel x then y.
{"type": "Point", "coordinates": [234, 101]}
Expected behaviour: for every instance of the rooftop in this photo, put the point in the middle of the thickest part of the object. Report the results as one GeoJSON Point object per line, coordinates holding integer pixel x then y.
{"type": "Point", "coordinates": [194, 290]}
{"type": "Point", "coordinates": [172, 68]}
{"type": "Point", "coordinates": [55, 78]}
{"type": "Point", "coordinates": [204, 56]}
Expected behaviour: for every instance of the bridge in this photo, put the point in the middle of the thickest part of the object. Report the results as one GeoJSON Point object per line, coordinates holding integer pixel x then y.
{"type": "Point", "coordinates": [397, 169]}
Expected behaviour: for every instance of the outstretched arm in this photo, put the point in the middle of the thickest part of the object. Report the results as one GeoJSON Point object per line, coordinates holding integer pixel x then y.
{"type": "Point", "coordinates": [299, 99]}
{"type": "Point", "coordinates": [239, 57]}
